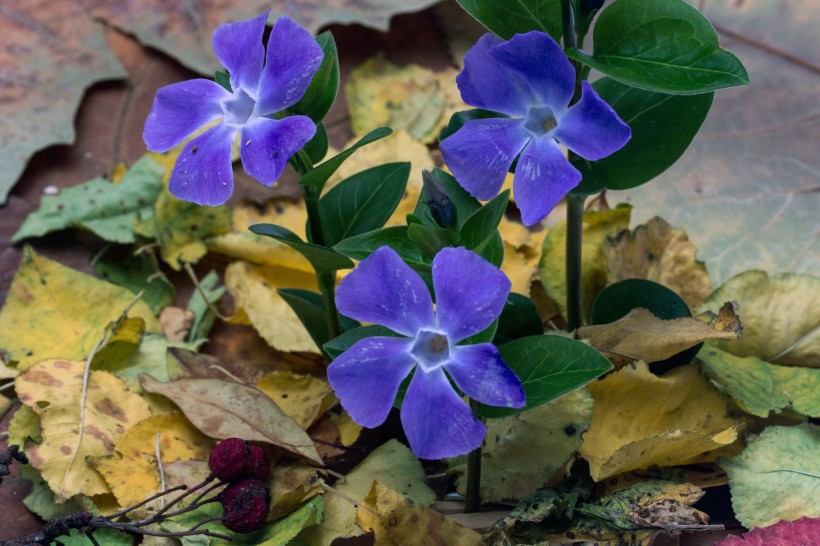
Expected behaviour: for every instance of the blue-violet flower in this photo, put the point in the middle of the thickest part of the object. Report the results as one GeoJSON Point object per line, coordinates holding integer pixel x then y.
{"type": "Point", "coordinates": [263, 84]}
{"type": "Point", "coordinates": [470, 294]}
{"type": "Point", "coordinates": [530, 79]}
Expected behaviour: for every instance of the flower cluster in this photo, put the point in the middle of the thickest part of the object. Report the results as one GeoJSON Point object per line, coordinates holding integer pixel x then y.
{"type": "Point", "coordinates": [470, 294]}
{"type": "Point", "coordinates": [262, 84]}
{"type": "Point", "coordinates": [530, 79]}
{"type": "Point", "coordinates": [246, 467]}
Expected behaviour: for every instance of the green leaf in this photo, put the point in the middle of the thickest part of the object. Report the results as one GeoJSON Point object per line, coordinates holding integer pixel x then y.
{"type": "Point", "coordinates": [458, 120]}
{"type": "Point", "coordinates": [316, 148]}
{"type": "Point", "coordinates": [429, 240]}
{"type": "Point", "coordinates": [223, 79]}
{"type": "Point", "coordinates": [138, 272]}
{"type": "Point", "coordinates": [340, 344]}
{"type": "Point", "coordinates": [310, 308]}
{"type": "Point", "coordinates": [323, 259]}
{"type": "Point", "coordinates": [509, 17]}
{"type": "Point", "coordinates": [548, 367]}
{"type": "Point", "coordinates": [203, 316]}
{"type": "Point", "coordinates": [108, 210]}
{"type": "Point", "coordinates": [662, 126]}
{"type": "Point", "coordinates": [466, 205]}
{"type": "Point", "coordinates": [319, 175]}
{"type": "Point", "coordinates": [362, 246]}
{"type": "Point", "coordinates": [482, 225]}
{"type": "Point", "coordinates": [41, 500]}
{"type": "Point", "coordinates": [661, 46]}
{"type": "Point", "coordinates": [324, 86]}
{"type": "Point", "coordinates": [776, 477]}
{"type": "Point", "coordinates": [363, 202]}
{"type": "Point", "coordinates": [493, 251]}
{"type": "Point", "coordinates": [519, 318]}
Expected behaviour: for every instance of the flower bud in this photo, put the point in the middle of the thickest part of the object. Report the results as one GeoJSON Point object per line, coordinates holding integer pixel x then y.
{"type": "Point", "coordinates": [259, 464]}
{"type": "Point", "coordinates": [438, 201]}
{"type": "Point", "coordinates": [245, 505]}
{"type": "Point", "coordinates": [229, 459]}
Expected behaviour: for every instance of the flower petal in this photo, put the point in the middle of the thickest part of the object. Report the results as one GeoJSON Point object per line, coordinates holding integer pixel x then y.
{"type": "Point", "coordinates": [591, 128]}
{"type": "Point", "coordinates": [179, 110]}
{"type": "Point", "coordinates": [542, 63]}
{"type": "Point", "coordinates": [384, 290]}
{"type": "Point", "coordinates": [542, 178]}
{"type": "Point", "coordinates": [367, 376]}
{"type": "Point", "coordinates": [470, 292]}
{"type": "Point", "coordinates": [239, 47]}
{"type": "Point", "coordinates": [481, 152]}
{"type": "Point", "coordinates": [203, 173]}
{"type": "Point", "coordinates": [486, 83]}
{"type": "Point", "coordinates": [267, 145]}
{"type": "Point", "coordinates": [479, 371]}
{"type": "Point", "coordinates": [292, 59]}
{"type": "Point", "coordinates": [438, 423]}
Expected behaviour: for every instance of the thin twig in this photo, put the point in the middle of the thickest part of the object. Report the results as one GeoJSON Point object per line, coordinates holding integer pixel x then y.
{"type": "Point", "coordinates": [161, 471]}
{"type": "Point", "coordinates": [204, 296]}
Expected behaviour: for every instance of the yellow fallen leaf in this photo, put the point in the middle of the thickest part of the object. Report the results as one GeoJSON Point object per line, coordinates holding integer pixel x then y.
{"type": "Point", "coordinates": [225, 409]}
{"type": "Point", "coordinates": [657, 252]}
{"type": "Point", "coordinates": [53, 388]}
{"type": "Point", "coordinates": [24, 424]}
{"type": "Point", "coordinates": [397, 520]}
{"type": "Point", "coordinates": [640, 335]}
{"type": "Point", "coordinates": [53, 311]}
{"type": "Point", "coordinates": [303, 397]}
{"type": "Point", "coordinates": [5, 404]}
{"type": "Point", "coordinates": [640, 420]}
{"type": "Point", "coordinates": [7, 372]}
{"type": "Point", "coordinates": [598, 225]}
{"type": "Point", "coordinates": [254, 291]}
{"type": "Point", "coordinates": [349, 430]}
{"type": "Point", "coordinates": [392, 464]}
{"type": "Point", "coordinates": [291, 484]}
{"type": "Point", "coordinates": [132, 472]}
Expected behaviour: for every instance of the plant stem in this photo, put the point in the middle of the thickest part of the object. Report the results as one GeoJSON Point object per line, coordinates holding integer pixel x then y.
{"type": "Point", "coordinates": [575, 224]}
{"type": "Point", "coordinates": [472, 497]}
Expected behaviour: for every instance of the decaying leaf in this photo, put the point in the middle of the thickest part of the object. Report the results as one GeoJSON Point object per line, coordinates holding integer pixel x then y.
{"type": "Point", "coordinates": [176, 323]}
{"type": "Point", "coordinates": [392, 464]}
{"type": "Point", "coordinates": [254, 291]}
{"type": "Point", "coordinates": [783, 533]}
{"type": "Point", "coordinates": [640, 420]}
{"type": "Point", "coordinates": [412, 98]}
{"type": "Point", "coordinates": [640, 335]}
{"type": "Point", "coordinates": [349, 430]}
{"type": "Point", "coordinates": [53, 311]}
{"type": "Point", "coordinates": [657, 252]}
{"type": "Point", "coordinates": [303, 397]}
{"type": "Point", "coordinates": [397, 520]}
{"type": "Point", "coordinates": [776, 477]}
{"type": "Point", "coordinates": [54, 388]}
{"type": "Point", "coordinates": [132, 470]}
{"type": "Point", "coordinates": [598, 225]}
{"type": "Point", "coordinates": [225, 409]}
{"type": "Point", "coordinates": [43, 82]}
{"type": "Point", "coordinates": [522, 452]}
{"type": "Point", "coordinates": [291, 483]}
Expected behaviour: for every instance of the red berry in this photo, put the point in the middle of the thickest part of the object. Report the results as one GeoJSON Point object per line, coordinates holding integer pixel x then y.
{"type": "Point", "coordinates": [229, 459]}
{"type": "Point", "coordinates": [245, 505]}
{"type": "Point", "coordinates": [259, 465]}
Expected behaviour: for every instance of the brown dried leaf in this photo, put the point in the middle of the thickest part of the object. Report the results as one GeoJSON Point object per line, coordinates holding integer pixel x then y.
{"type": "Point", "coordinates": [640, 335]}
{"type": "Point", "coordinates": [224, 409]}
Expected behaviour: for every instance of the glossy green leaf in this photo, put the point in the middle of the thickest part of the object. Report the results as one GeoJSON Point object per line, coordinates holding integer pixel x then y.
{"type": "Point", "coordinates": [508, 17]}
{"type": "Point", "coordinates": [493, 251]}
{"type": "Point", "coordinates": [224, 79]}
{"type": "Point", "coordinates": [324, 86]}
{"type": "Point", "coordinates": [429, 240]}
{"type": "Point", "coordinates": [310, 308]}
{"type": "Point", "coordinates": [362, 246]}
{"type": "Point", "coordinates": [458, 120]}
{"type": "Point", "coordinates": [662, 126]}
{"type": "Point", "coordinates": [340, 344]}
{"type": "Point", "coordinates": [363, 202]}
{"type": "Point", "coordinates": [661, 46]}
{"type": "Point", "coordinates": [319, 175]}
{"type": "Point", "coordinates": [465, 203]}
{"type": "Point", "coordinates": [548, 367]}
{"type": "Point", "coordinates": [519, 318]}
{"type": "Point", "coordinates": [322, 259]}
{"type": "Point", "coordinates": [479, 228]}
{"type": "Point", "coordinates": [316, 148]}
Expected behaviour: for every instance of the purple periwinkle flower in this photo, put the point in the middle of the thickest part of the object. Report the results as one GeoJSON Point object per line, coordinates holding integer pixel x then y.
{"type": "Point", "coordinates": [530, 79]}
{"type": "Point", "coordinates": [263, 83]}
{"type": "Point", "coordinates": [470, 294]}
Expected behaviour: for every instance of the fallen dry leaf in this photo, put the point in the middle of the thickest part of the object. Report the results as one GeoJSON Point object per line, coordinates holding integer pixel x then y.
{"type": "Point", "coordinates": [640, 335]}
{"type": "Point", "coordinates": [657, 252]}
{"type": "Point", "coordinates": [53, 388]}
{"type": "Point", "coordinates": [303, 397]}
{"type": "Point", "coordinates": [176, 322]}
{"type": "Point", "coordinates": [640, 420]}
{"type": "Point", "coordinates": [397, 520]}
{"type": "Point", "coordinates": [225, 409]}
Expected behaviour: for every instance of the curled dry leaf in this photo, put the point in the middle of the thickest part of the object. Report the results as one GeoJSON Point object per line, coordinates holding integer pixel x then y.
{"type": "Point", "coordinates": [640, 335]}
{"type": "Point", "coordinates": [657, 252]}
{"type": "Point", "coordinates": [225, 409]}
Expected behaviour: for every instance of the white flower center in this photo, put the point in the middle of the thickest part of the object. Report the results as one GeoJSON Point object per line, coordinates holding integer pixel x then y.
{"type": "Point", "coordinates": [540, 121]}
{"type": "Point", "coordinates": [431, 350]}
{"type": "Point", "coordinates": [238, 108]}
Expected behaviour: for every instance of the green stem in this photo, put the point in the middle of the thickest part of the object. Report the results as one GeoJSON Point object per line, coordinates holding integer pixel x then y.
{"type": "Point", "coordinates": [575, 224]}
{"type": "Point", "coordinates": [472, 497]}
